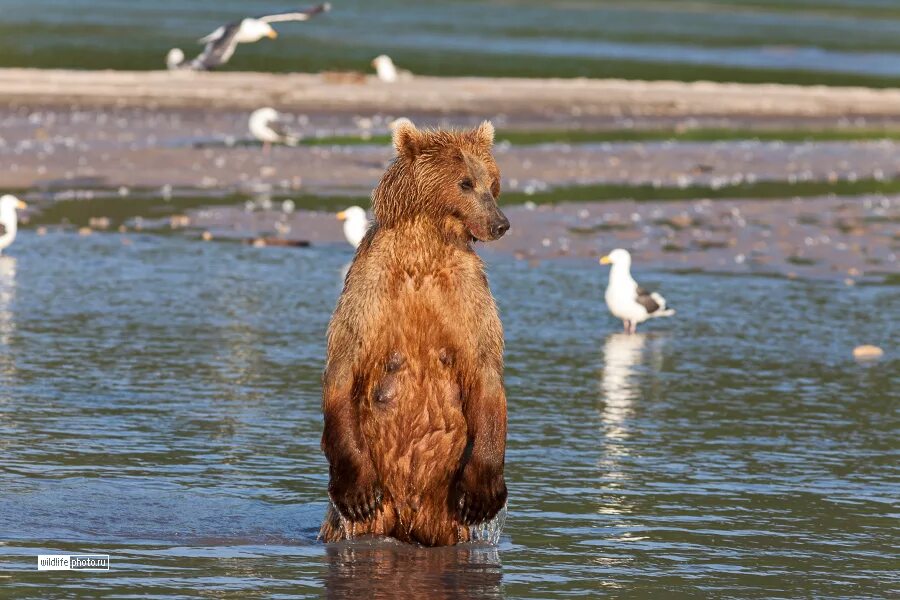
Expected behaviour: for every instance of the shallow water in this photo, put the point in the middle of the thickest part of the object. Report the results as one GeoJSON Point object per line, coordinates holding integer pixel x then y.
{"type": "Point", "coordinates": [159, 402]}
{"type": "Point", "coordinates": [713, 39]}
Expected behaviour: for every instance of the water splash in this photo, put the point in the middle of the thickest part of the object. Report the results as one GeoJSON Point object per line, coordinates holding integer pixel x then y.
{"type": "Point", "coordinates": [489, 531]}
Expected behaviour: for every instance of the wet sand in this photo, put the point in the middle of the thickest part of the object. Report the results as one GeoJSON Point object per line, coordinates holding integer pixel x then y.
{"type": "Point", "coordinates": [72, 148]}
{"type": "Point", "coordinates": [850, 239]}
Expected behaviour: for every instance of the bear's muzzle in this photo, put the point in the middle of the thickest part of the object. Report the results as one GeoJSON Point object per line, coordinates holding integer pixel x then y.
{"type": "Point", "coordinates": [499, 225]}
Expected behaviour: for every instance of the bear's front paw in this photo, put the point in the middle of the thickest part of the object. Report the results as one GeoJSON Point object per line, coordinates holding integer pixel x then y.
{"type": "Point", "coordinates": [355, 498]}
{"type": "Point", "coordinates": [481, 494]}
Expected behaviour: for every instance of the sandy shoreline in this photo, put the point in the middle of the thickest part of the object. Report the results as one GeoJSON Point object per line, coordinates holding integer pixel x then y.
{"type": "Point", "coordinates": [464, 95]}
{"type": "Point", "coordinates": [847, 239]}
{"type": "Point", "coordinates": [66, 132]}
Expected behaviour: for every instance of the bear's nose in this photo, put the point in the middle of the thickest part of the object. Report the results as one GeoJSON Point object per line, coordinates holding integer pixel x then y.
{"type": "Point", "coordinates": [500, 226]}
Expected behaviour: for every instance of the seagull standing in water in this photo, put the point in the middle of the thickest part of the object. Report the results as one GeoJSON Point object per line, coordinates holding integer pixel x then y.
{"type": "Point", "coordinates": [221, 43]}
{"type": "Point", "coordinates": [9, 221]}
{"type": "Point", "coordinates": [265, 127]}
{"type": "Point", "coordinates": [356, 223]}
{"type": "Point", "coordinates": [625, 298]}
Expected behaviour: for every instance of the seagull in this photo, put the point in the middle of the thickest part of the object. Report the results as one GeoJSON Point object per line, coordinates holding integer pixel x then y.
{"type": "Point", "coordinates": [175, 59]}
{"type": "Point", "coordinates": [221, 43]}
{"type": "Point", "coordinates": [265, 127]}
{"type": "Point", "coordinates": [9, 223]}
{"type": "Point", "coordinates": [356, 223]}
{"type": "Point", "coordinates": [387, 71]}
{"type": "Point", "coordinates": [625, 298]}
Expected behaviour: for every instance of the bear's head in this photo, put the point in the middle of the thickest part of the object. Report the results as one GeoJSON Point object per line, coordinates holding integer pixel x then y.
{"type": "Point", "coordinates": [447, 176]}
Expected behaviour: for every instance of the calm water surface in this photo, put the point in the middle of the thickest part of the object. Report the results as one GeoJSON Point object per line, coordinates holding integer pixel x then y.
{"type": "Point", "coordinates": [159, 402]}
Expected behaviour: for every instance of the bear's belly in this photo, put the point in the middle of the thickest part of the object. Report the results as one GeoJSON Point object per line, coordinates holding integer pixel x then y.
{"type": "Point", "coordinates": [417, 439]}
{"type": "Point", "coordinates": [412, 410]}
{"type": "Point", "coordinates": [417, 432]}
{"type": "Point", "coordinates": [413, 417]}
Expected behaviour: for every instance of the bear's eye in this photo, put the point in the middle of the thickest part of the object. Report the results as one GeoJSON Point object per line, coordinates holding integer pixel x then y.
{"type": "Point", "coordinates": [466, 185]}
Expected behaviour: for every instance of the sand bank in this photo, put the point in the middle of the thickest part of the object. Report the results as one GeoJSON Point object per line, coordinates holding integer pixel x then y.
{"type": "Point", "coordinates": [467, 95]}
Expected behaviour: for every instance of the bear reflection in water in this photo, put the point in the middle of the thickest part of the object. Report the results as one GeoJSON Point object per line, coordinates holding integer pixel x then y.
{"type": "Point", "coordinates": [383, 568]}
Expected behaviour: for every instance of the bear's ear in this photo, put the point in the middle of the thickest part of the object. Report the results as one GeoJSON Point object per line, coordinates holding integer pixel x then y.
{"type": "Point", "coordinates": [484, 133]}
{"type": "Point", "coordinates": [406, 137]}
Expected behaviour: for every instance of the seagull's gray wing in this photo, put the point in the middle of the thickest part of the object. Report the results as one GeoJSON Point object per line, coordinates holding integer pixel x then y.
{"type": "Point", "coordinates": [279, 128]}
{"type": "Point", "coordinates": [2, 229]}
{"type": "Point", "coordinates": [296, 15]}
{"type": "Point", "coordinates": [645, 299]}
{"type": "Point", "coordinates": [219, 49]}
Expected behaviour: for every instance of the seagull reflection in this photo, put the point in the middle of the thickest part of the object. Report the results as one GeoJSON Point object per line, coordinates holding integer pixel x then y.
{"type": "Point", "coordinates": [7, 322]}
{"type": "Point", "coordinates": [379, 568]}
{"type": "Point", "coordinates": [622, 354]}
{"type": "Point", "coordinates": [619, 389]}
{"type": "Point", "coordinates": [626, 364]}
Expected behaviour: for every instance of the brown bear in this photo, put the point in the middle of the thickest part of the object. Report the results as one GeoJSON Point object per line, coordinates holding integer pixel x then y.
{"type": "Point", "coordinates": [413, 398]}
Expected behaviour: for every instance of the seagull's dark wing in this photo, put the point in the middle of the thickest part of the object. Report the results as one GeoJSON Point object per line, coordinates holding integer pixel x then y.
{"type": "Point", "coordinates": [2, 229]}
{"type": "Point", "coordinates": [645, 299]}
{"type": "Point", "coordinates": [219, 32]}
{"type": "Point", "coordinates": [278, 128]}
{"type": "Point", "coordinates": [296, 15]}
{"type": "Point", "coordinates": [218, 50]}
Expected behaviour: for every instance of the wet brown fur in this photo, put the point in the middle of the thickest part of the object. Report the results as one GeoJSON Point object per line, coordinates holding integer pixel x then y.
{"type": "Point", "coordinates": [413, 399]}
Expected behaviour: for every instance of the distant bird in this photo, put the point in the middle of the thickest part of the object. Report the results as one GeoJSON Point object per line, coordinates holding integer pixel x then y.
{"type": "Point", "coordinates": [387, 71]}
{"type": "Point", "coordinates": [175, 59]}
{"type": "Point", "coordinates": [625, 298]}
{"type": "Point", "coordinates": [356, 223]}
{"type": "Point", "coordinates": [9, 222]}
{"type": "Point", "coordinates": [221, 43]}
{"type": "Point", "coordinates": [264, 125]}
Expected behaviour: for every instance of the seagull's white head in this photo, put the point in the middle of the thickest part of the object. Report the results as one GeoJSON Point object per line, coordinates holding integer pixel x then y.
{"type": "Point", "coordinates": [8, 206]}
{"type": "Point", "coordinates": [253, 30]}
{"type": "Point", "coordinates": [260, 119]}
{"type": "Point", "coordinates": [355, 224]}
{"type": "Point", "coordinates": [267, 114]}
{"type": "Point", "coordinates": [174, 59]}
{"type": "Point", "coordinates": [618, 256]}
{"type": "Point", "coordinates": [382, 59]}
{"type": "Point", "coordinates": [8, 220]}
{"type": "Point", "coordinates": [353, 214]}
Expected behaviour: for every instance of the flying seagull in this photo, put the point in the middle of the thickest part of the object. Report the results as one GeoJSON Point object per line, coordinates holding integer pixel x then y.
{"type": "Point", "coordinates": [221, 43]}
{"type": "Point", "coordinates": [625, 298]}
{"type": "Point", "coordinates": [9, 222]}
{"type": "Point", "coordinates": [265, 127]}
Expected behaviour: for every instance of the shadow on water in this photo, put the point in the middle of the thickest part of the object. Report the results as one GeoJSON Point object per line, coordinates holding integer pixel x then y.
{"type": "Point", "coordinates": [379, 568]}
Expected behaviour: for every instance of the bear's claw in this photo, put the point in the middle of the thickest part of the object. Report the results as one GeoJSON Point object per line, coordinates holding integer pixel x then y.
{"type": "Point", "coordinates": [480, 503]}
{"type": "Point", "coordinates": [358, 506]}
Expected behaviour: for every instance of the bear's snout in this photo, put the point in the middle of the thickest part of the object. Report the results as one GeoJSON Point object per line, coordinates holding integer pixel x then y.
{"type": "Point", "coordinates": [489, 227]}
{"type": "Point", "coordinates": [499, 225]}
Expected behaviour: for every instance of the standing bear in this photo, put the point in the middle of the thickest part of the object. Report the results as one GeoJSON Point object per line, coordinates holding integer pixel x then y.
{"type": "Point", "coordinates": [413, 399]}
